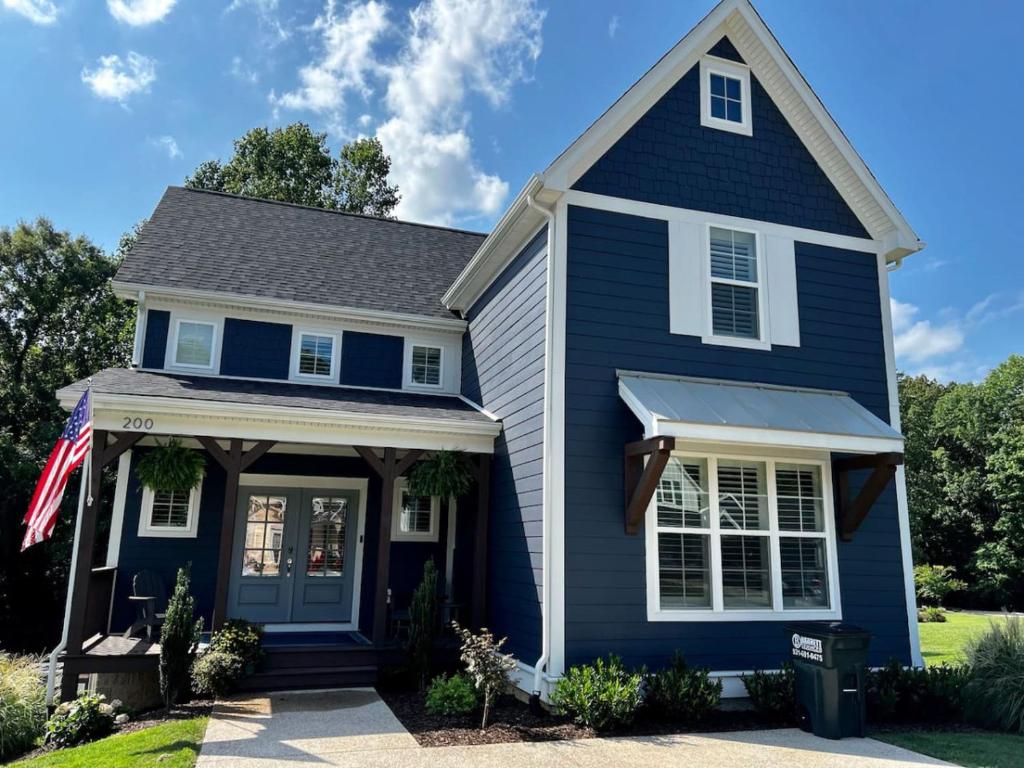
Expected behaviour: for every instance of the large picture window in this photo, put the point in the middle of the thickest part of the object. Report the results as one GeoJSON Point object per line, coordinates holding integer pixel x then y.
{"type": "Point", "coordinates": [735, 538]}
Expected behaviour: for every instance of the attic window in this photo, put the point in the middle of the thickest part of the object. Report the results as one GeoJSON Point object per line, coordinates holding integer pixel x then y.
{"type": "Point", "coordinates": [725, 95]}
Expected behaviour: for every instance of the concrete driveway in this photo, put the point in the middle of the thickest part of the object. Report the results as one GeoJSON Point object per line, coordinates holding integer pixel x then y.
{"type": "Point", "coordinates": [355, 728]}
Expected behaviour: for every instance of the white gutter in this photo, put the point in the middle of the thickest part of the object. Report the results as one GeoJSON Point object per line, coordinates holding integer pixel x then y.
{"type": "Point", "coordinates": [545, 613]}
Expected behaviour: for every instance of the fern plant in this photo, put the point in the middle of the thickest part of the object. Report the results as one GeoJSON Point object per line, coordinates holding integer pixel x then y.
{"type": "Point", "coordinates": [171, 467]}
{"type": "Point", "coordinates": [443, 473]}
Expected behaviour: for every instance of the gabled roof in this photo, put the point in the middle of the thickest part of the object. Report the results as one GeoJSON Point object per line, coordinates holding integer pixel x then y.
{"type": "Point", "coordinates": [737, 20]}
{"type": "Point", "coordinates": [226, 244]}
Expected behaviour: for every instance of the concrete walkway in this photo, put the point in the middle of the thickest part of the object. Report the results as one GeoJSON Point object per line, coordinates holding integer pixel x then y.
{"type": "Point", "coordinates": [355, 728]}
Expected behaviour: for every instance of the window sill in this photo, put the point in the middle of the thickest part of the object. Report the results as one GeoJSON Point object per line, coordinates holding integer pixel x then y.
{"type": "Point", "coordinates": [736, 341]}
{"type": "Point", "coordinates": [744, 615]}
{"type": "Point", "coordinates": [720, 124]}
{"type": "Point", "coordinates": [422, 538]}
{"type": "Point", "coordinates": [166, 533]}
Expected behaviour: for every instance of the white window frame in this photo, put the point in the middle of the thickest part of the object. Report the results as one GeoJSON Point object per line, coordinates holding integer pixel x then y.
{"type": "Point", "coordinates": [297, 333]}
{"type": "Point", "coordinates": [189, 531]}
{"type": "Point", "coordinates": [712, 65]}
{"type": "Point", "coordinates": [718, 612]}
{"type": "Point", "coordinates": [214, 344]}
{"type": "Point", "coordinates": [763, 340]}
{"type": "Point", "coordinates": [410, 346]}
{"type": "Point", "coordinates": [397, 534]}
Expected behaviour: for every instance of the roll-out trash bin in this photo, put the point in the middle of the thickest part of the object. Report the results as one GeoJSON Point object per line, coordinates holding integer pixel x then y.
{"type": "Point", "coordinates": [830, 661]}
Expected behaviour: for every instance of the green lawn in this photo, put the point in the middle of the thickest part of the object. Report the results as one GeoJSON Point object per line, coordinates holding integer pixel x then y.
{"type": "Point", "coordinates": [169, 745]}
{"type": "Point", "coordinates": [982, 749]}
{"type": "Point", "coordinates": [945, 641]}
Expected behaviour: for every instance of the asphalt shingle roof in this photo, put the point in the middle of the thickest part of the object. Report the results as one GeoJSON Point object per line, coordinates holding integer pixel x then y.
{"type": "Point", "coordinates": [123, 381]}
{"type": "Point", "coordinates": [212, 241]}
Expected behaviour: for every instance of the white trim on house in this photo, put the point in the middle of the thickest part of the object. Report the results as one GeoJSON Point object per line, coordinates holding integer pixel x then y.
{"type": "Point", "coordinates": [183, 416]}
{"type": "Point", "coordinates": [331, 377]}
{"type": "Point", "coordinates": [176, 321]}
{"type": "Point", "coordinates": [124, 466]}
{"type": "Point", "coordinates": [712, 455]}
{"type": "Point", "coordinates": [359, 484]}
{"type": "Point", "coordinates": [733, 70]}
{"type": "Point", "coordinates": [139, 340]}
{"type": "Point", "coordinates": [148, 530]}
{"type": "Point", "coordinates": [267, 307]}
{"type": "Point", "coordinates": [407, 354]}
{"type": "Point", "coordinates": [397, 534]}
{"type": "Point", "coordinates": [903, 507]}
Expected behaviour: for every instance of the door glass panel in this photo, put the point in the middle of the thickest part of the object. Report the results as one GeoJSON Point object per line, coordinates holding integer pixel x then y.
{"type": "Point", "coordinates": [326, 553]}
{"type": "Point", "coordinates": [264, 535]}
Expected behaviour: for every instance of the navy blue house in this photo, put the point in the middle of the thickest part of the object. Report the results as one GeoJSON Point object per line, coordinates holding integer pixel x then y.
{"type": "Point", "coordinates": [670, 364]}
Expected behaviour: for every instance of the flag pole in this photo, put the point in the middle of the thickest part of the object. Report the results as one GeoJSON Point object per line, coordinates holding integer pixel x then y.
{"type": "Point", "coordinates": [83, 491]}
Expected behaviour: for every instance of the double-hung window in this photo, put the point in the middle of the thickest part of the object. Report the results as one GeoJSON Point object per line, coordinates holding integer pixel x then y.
{"type": "Point", "coordinates": [741, 538]}
{"type": "Point", "coordinates": [194, 342]}
{"type": "Point", "coordinates": [735, 287]}
{"type": "Point", "coordinates": [316, 355]}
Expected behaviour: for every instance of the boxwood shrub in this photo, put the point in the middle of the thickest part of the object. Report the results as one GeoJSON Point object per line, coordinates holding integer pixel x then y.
{"type": "Point", "coordinates": [603, 695]}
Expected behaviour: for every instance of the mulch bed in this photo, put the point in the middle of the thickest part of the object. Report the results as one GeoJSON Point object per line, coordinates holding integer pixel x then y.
{"type": "Point", "coordinates": [513, 721]}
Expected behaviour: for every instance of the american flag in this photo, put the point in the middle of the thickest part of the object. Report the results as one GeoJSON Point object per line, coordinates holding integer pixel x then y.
{"type": "Point", "coordinates": [69, 452]}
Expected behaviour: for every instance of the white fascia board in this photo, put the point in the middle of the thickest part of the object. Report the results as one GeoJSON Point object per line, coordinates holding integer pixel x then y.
{"type": "Point", "coordinates": [230, 301]}
{"type": "Point", "coordinates": [299, 425]}
{"type": "Point", "coordinates": [780, 438]}
{"type": "Point", "coordinates": [496, 251]}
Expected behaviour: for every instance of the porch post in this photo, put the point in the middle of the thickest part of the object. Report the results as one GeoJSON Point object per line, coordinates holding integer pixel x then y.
{"type": "Point", "coordinates": [387, 501]}
{"type": "Point", "coordinates": [83, 566]}
{"type": "Point", "coordinates": [483, 481]}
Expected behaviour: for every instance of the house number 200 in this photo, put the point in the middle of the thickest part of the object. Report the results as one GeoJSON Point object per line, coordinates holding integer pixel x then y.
{"type": "Point", "coordinates": [137, 423]}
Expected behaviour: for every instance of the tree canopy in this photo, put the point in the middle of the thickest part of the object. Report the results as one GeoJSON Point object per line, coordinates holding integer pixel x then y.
{"type": "Point", "coordinates": [294, 164]}
{"type": "Point", "coordinates": [59, 322]}
{"type": "Point", "coordinates": [965, 478]}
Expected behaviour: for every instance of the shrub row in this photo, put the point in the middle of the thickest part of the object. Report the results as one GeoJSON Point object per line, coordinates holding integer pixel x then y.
{"type": "Point", "coordinates": [605, 695]}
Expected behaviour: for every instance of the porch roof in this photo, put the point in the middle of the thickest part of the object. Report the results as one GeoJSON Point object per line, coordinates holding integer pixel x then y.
{"type": "Point", "coordinates": [222, 407]}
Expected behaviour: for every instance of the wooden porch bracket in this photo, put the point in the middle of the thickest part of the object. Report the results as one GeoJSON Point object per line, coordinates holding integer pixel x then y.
{"type": "Point", "coordinates": [641, 480]}
{"type": "Point", "coordinates": [851, 513]}
{"type": "Point", "coordinates": [234, 461]}
{"type": "Point", "coordinates": [389, 469]}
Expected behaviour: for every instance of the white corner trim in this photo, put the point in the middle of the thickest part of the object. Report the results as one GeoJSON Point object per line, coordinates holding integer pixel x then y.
{"type": "Point", "coordinates": [397, 534]}
{"type": "Point", "coordinates": [906, 548]}
{"type": "Point", "coordinates": [124, 465]}
{"type": "Point", "coordinates": [559, 267]}
{"type": "Point", "coordinates": [189, 531]}
{"type": "Point", "coordinates": [712, 65]}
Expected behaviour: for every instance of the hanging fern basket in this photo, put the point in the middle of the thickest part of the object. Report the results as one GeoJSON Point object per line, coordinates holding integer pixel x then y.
{"type": "Point", "coordinates": [444, 474]}
{"type": "Point", "coordinates": [171, 467]}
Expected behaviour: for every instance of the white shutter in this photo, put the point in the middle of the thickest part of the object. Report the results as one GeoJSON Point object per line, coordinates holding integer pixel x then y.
{"type": "Point", "coordinates": [783, 313]}
{"type": "Point", "coordinates": [686, 278]}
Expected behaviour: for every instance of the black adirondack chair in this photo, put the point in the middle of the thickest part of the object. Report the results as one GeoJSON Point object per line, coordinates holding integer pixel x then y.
{"type": "Point", "coordinates": [150, 598]}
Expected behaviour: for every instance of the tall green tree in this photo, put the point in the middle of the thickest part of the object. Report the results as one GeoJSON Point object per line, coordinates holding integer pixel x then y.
{"type": "Point", "coordinates": [59, 322]}
{"type": "Point", "coordinates": [294, 164]}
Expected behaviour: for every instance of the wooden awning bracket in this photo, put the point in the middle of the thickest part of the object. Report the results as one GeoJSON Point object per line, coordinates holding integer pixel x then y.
{"type": "Point", "coordinates": [641, 480]}
{"type": "Point", "coordinates": [851, 513]}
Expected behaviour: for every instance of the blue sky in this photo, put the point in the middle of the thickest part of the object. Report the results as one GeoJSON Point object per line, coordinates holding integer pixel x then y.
{"type": "Point", "coordinates": [108, 101]}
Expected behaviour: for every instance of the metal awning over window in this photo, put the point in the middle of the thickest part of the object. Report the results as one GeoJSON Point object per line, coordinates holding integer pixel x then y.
{"type": "Point", "coordinates": [675, 408]}
{"type": "Point", "coordinates": [755, 414]}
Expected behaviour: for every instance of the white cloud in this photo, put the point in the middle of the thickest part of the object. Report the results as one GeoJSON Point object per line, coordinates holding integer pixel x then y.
{"type": "Point", "coordinates": [447, 51]}
{"type": "Point", "coordinates": [994, 307]}
{"type": "Point", "coordinates": [347, 57]}
{"type": "Point", "coordinates": [168, 145]}
{"type": "Point", "coordinates": [613, 26]}
{"type": "Point", "coordinates": [241, 72]}
{"type": "Point", "coordinates": [117, 79]}
{"type": "Point", "coordinates": [36, 11]}
{"type": "Point", "coordinates": [138, 13]}
{"type": "Point", "coordinates": [919, 341]}
{"type": "Point", "coordinates": [266, 13]}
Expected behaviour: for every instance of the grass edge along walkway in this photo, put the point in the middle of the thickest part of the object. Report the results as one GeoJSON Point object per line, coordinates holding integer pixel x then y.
{"type": "Point", "coordinates": [173, 744]}
{"type": "Point", "coordinates": [972, 749]}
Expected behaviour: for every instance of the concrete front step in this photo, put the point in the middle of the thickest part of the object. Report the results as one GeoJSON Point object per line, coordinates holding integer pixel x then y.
{"type": "Point", "coordinates": [306, 657]}
{"type": "Point", "coordinates": [311, 678]}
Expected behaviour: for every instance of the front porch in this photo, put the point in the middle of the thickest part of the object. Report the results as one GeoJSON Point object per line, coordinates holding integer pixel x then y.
{"type": "Point", "coordinates": [296, 534]}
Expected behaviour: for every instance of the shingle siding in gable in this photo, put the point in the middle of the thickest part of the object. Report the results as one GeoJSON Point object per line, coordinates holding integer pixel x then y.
{"type": "Point", "coordinates": [667, 157]}
{"type": "Point", "coordinates": [155, 345]}
{"type": "Point", "coordinates": [371, 360]}
{"type": "Point", "coordinates": [503, 370]}
{"type": "Point", "coordinates": [617, 318]}
{"type": "Point", "coordinates": [256, 349]}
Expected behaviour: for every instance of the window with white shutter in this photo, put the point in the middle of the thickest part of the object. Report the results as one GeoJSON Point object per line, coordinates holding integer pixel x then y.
{"type": "Point", "coordinates": [169, 514]}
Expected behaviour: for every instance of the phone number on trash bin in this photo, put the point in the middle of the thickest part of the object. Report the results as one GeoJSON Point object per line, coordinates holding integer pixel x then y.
{"type": "Point", "coordinates": [807, 648]}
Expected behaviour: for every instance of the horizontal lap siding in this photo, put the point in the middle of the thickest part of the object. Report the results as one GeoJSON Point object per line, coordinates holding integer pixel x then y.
{"type": "Point", "coordinates": [503, 370]}
{"type": "Point", "coordinates": [617, 317]}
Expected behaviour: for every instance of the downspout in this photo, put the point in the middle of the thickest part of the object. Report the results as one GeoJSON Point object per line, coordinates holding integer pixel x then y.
{"type": "Point", "coordinates": [140, 330]}
{"type": "Point", "coordinates": [542, 662]}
